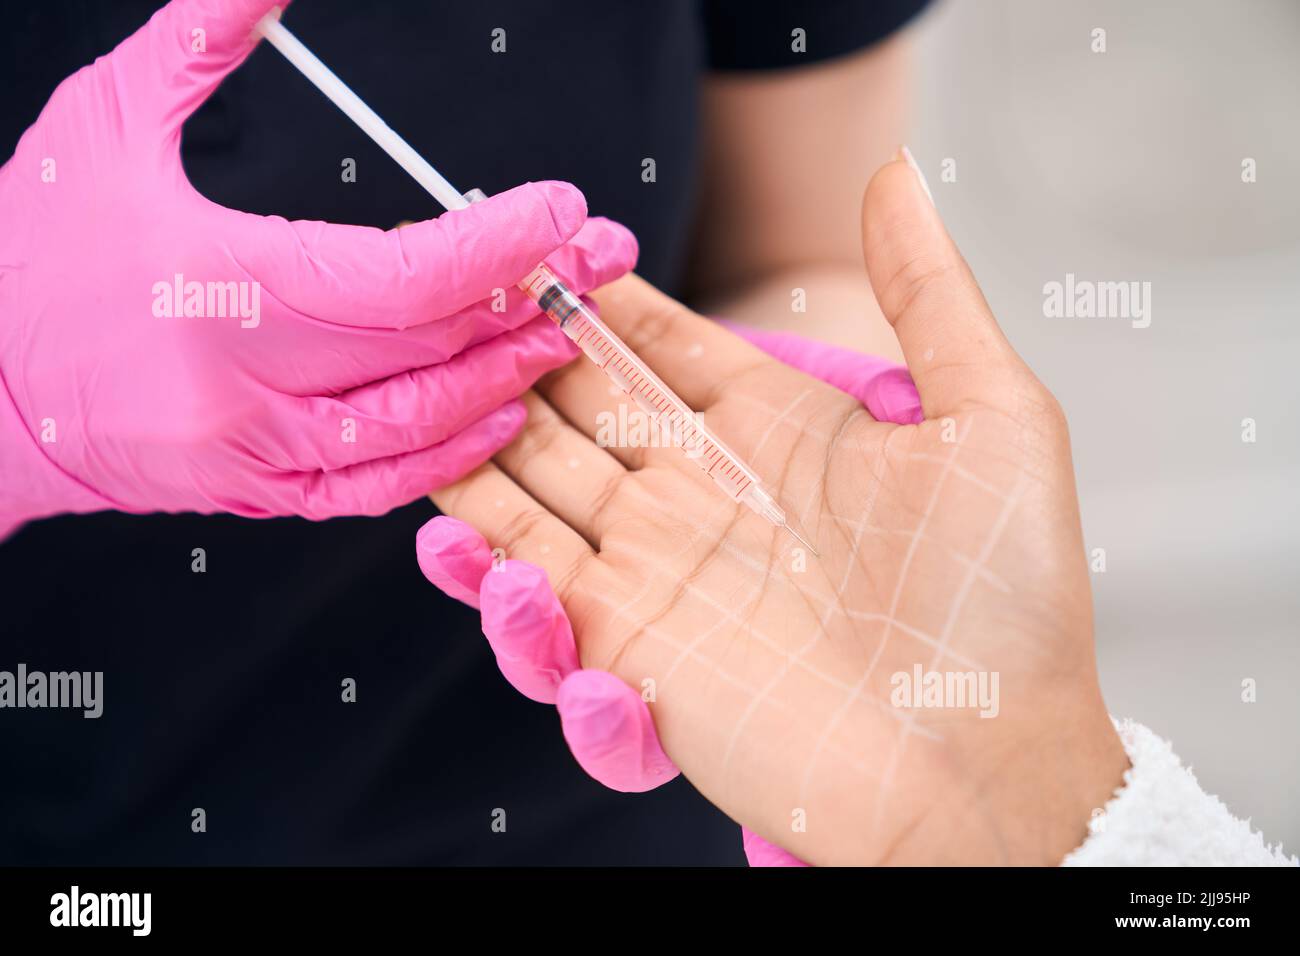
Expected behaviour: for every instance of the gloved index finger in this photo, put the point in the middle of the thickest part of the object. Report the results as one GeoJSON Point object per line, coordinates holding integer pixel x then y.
{"type": "Point", "coordinates": [365, 277]}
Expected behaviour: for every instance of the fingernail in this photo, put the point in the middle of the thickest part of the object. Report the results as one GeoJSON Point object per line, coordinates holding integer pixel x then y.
{"type": "Point", "coordinates": [911, 161]}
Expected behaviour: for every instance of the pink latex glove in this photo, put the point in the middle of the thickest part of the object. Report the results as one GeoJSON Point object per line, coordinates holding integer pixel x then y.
{"type": "Point", "coordinates": [605, 722]}
{"type": "Point", "coordinates": [365, 368]}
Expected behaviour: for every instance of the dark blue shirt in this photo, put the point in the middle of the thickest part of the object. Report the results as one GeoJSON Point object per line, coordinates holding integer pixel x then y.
{"type": "Point", "coordinates": [222, 690]}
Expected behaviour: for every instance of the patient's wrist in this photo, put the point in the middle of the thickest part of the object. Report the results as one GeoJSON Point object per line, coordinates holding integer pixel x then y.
{"type": "Point", "coordinates": [1043, 798]}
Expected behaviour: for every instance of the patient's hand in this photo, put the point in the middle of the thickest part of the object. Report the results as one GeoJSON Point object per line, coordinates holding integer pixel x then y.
{"type": "Point", "coordinates": [952, 546]}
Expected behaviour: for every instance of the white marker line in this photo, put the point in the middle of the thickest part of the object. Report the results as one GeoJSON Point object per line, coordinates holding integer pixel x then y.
{"type": "Point", "coordinates": [714, 668]}
{"type": "Point", "coordinates": [985, 574]}
{"type": "Point", "coordinates": [995, 533]}
{"type": "Point", "coordinates": [855, 692]}
{"type": "Point", "coordinates": [962, 473]}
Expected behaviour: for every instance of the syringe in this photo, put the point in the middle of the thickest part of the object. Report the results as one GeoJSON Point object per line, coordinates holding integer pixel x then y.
{"type": "Point", "coordinates": [597, 341]}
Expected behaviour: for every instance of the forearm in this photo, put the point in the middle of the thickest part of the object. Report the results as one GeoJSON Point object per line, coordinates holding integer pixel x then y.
{"type": "Point", "coordinates": [827, 302]}
{"type": "Point", "coordinates": [785, 159]}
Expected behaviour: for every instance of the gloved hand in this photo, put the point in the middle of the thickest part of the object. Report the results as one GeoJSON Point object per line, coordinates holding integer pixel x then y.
{"type": "Point", "coordinates": [605, 721]}
{"type": "Point", "coordinates": [160, 352]}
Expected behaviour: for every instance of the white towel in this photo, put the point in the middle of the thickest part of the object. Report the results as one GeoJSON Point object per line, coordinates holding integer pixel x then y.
{"type": "Point", "coordinates": [1162, 817]}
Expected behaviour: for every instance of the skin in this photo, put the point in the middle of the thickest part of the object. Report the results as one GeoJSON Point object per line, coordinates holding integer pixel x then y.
{"type": "Point", "coordinates": [785, 156]}
{"type": "Point", "coordinates": [954, 545]}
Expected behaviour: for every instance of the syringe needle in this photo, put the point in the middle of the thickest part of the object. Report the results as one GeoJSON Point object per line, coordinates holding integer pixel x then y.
{"type": "Point", "coordinates": [798, 537]}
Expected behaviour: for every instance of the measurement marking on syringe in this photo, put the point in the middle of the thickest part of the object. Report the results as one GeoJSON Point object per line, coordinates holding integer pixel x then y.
{"type": "Point", "coordinates": [611, 359]}
{"type": "Point", "coordinates": [541, 285]}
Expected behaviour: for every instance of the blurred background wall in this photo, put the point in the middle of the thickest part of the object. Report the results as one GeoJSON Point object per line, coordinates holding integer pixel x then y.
{"type": "Point", "coordinates": [1127, 166]}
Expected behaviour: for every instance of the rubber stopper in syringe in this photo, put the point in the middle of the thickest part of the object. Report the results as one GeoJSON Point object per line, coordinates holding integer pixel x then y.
{"type": "Point", "coordinates": [603, 347]}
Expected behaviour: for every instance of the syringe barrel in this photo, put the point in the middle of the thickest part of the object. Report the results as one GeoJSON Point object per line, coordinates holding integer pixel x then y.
{"type": "Point", "coordinates": [565, 308]}
{"type": "Point", "coordinates": [673, 416]}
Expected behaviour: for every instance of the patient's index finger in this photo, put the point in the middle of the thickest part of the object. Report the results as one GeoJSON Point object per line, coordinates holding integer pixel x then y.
{"type": "Point", "coordinates": [694, 356]}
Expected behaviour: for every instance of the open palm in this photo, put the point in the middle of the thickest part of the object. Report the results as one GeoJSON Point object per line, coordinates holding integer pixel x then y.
{"type": "Point", "coordinates": [923, 688]}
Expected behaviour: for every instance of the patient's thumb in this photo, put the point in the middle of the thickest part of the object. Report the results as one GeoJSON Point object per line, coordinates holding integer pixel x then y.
{"type": "Point", "coordinates": [951, 341]}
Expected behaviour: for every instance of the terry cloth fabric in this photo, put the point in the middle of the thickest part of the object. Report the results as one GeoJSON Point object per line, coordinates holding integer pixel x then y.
{"type": "Point", "coordinates": [1162, 817]}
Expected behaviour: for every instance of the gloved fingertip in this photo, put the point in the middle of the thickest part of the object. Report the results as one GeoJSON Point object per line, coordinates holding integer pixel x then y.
{"type": "Point", "coordinates": [229, 27]}
{"type": "Point", "coordinates": [885, 388]}
{"type": "Point", "coordinates": [567, 204]}
{"type": "Point", "coordinates": [527, 628]}
{"type": "Point", "coordinates": [611, 734]}
{"type": "Point", "coordinates": [543, 347]}
{"type": "Point", "coordinates": [761, 853]}
{"type": "Point", "coordinates": [505, 422]}
{"type": "Point", "coordinates": [617, 237]}
{"type": "Point", "coordinates": [454, 557]}
{"type": "Point", "coordinates": [894, 398]}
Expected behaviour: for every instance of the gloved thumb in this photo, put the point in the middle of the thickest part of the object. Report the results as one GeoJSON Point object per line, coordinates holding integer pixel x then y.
{"type": "Point", "coordinates": [183, 53]}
